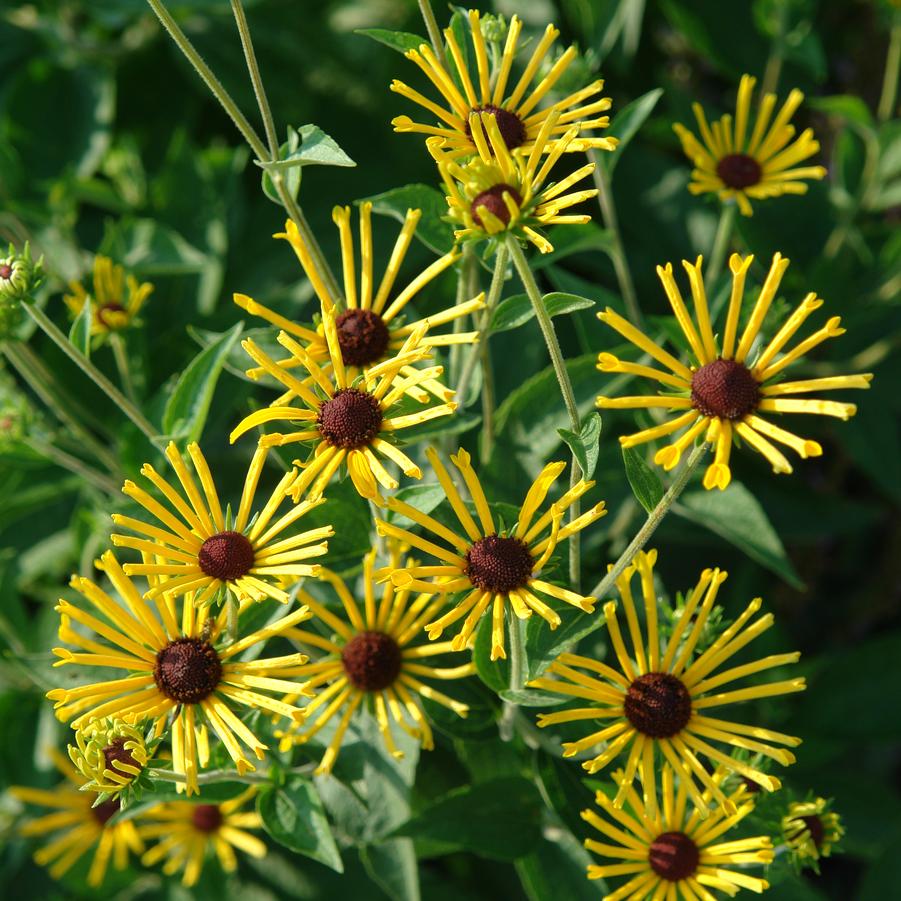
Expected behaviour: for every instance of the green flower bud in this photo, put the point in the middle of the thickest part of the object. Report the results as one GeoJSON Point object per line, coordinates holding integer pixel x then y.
{"type": "Point", "coordinates": [19, 277]}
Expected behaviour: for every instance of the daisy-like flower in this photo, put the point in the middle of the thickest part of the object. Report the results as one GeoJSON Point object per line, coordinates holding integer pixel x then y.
{"type": "Point", "coordinates": [810, 829]}
{"type": "Point", "coordinates": [672, 854]}
{"type": "Point", "coordinates": [80, 826]}
{"type": "Point", "coordinates": [729, 382]}
{"type": "Point", "coordinates": [198, 549]}
{"type": "Point", "coordinates": [658, 700]}
{"type": "Point", "coordinates": [110, 754]}
{"type": "Point", "coordinates": [494, 568]}
{"type": "Point", "coordinates": [184, 672]}
{"type": "Point", "coordinates": [498, 191]}
{"type": "Point", "coordinates": [189, 833]}
{"type": "Point", "coordinates": [346, 421]}
{"type": "Point", "coordinates": [116, 300]}
{"type": "Point", "coordinates": [374, 656]}
{"type": "Point", "coordinates": [371, 329]}
{"type": "Point", "coordinates": [750, 159]}
{"type": "Point", "coordinates": [518, 117]}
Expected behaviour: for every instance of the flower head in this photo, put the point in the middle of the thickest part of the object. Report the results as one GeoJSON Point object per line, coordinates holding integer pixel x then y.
{"type": "Point", "coordinates": [516, 109]}
{"type": "Point", "coordinates": [116, 300]}
{"type": "Point", "coordinates": [493, 566]}
{"type": "Point", "coordinates": [19, 277]}
{"type": "Point", "coordinates": [184, 672]}
{"type": "Point", "coordinates": [750, 159]}
{"type": "Point", "coordinates": [199, 549]}
{"type": "Point", "coordinates": [657, 700]}
{"type": "Point", "coordinates": [502, 191]}
{"type": "Point", "coordinates": [721, 393]}
{"type": "Point", "coordinates": [670, 853]}
{"type": "Point", "coordinates": [810, 829]}
{"type": "Point", "coordinates": [375, 655]}
{"type": "Point", "coordinates": [82, 824]}
{"type": "Point", "coordinates": [371, 329]}
{"type": "Point", "coordinates": [111, 754]}
{"type": "Point", "coordinates": [345, 421]}
{"type": "Point", "coordinates": [188, 833]}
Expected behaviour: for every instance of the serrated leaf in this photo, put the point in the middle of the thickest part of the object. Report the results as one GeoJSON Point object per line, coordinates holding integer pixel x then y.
{"type": "Point", "coordinates": [515, 311]}
{"type": "Point", "coordinates": [646, 484]}
{"type": "Point", "coordinates": [736, 515]}
{"type": "Point", "coordinates": [294, 816]}
{"type": "Point", "coordinates": [80, 332]}
{"type": "Point", "coordinates": [626, 123]}
{"type": "Point", "coordinates": [187, 408]}
{"type": "Point", "coordinates": [586, 445]}
{"type": "Point", "coordinates": [401, 41]}
{"type": "Point", "coordinates": [432, 230]}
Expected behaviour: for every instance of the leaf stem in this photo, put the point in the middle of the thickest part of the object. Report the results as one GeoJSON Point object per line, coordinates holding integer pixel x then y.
{"type": "Point", "coordinates": [431, 24]}
{"type": "Point", "coordinates": [566, 389]}
{"type": "Point", "coordinates": [90, 370]}
{"type": "Point", "coordinates": [721, 242]}
{"type": "Point", "coordinates": [886, 107]}
{"type": "Point", "coordinates": [654, 519]}
{"type": "Point", "coordinates": [121, 357]}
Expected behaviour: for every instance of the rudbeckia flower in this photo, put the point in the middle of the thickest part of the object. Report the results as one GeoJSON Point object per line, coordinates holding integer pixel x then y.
{"type": "Point", "coordinates": [110, 754]}
{"type": "Point", "coordinates": [811, 828]}
{"type": "Point", "coordinates": [116, 300]}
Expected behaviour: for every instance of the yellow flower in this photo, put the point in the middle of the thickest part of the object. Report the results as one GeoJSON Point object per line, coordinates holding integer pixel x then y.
{"type": "Point", "coordinates": [116, 300]}
{"type": "Point", "coordinates": [200, 550]}
{"type": "Point", "coordinates": [657, 701]}
{"type": "Point", "coordinates": [500, 191]}
{"type": "Point", "coordinates": [181, 669]}
{"type": "Point", "coordinates": [110, 754]}
{"type": "Point", "coordinates": [672, 854]}
{"type": "Point", "coordinates": [86, 827]}
{"type": "Point", "coordinates": [810, 829]}
{"type": "Point", "coordinates": [719, 395]}
{"type": "Point", "coordinates": [373, 653]}
{"type": "Point", "coordinates": [748, 161]}
{"type": "Point", "coordinates": [188, 833]}
{"type": "Point", "coordinates": [368, 330]}
{"type": "Point", "coordinates": [519, 119]}
{"type": "Point", "coordinates": [348, 421]}
{"type": "Point", "coordinates": [493, 568]}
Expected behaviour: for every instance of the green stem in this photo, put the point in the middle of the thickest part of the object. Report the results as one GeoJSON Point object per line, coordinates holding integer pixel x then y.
{"type": "Point", "coordinates": [431, 24]}
{"type": "Point", "coordinates": [90, 370]}
{"type": "Point", "coordinates": [886, 107]}
{"type": "Point", "coordinates": [486, 435]}
{"type": "Point", "coordinates": [654, 519]}
{"type": "Point", "coordinates": [73, 464]}
{"type": "Point", "coordinates": [721, 243]}
{"type": "Point", "coordinates": [516, 659]}
{"type": "Point", "coordinates": [566, 389]}
{"type": "Point", "coordinates": [601, 179]}
{"type": "Point", "coordinates": [121, 358]}
{"type": "Point", "coordinates": [773, 70]}
{"type": "Point", "coordinates": [41, 381]}
{"type": "Point", "coordinates": [212, 776]}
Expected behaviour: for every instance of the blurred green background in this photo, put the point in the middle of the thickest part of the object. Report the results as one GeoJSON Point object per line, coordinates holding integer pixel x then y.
{"type": "Point", "coordinates": [110, 143]}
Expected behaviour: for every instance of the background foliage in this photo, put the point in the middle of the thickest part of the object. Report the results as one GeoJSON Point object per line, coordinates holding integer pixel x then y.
{"type": "Point", "coordinates": [109, 143]}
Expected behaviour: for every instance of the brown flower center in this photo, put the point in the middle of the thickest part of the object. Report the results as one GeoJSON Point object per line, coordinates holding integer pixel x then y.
{"type": "Point", "coordinates": [372, 661]}
{"type": "Point", "coordinates": [362, 336]}
{"type": "Point", "coordinates": [658, 705]}
{"type": "Point", "coordinates": [104, 311]}
{"type": "Point", "coordinates": [350, 419]}
{"type": "Point", "coordinates": [102, 813]}
{"type": "Point", "coordinates": [673, 856]}
{"type": "Point", "coordinates": [492, 200]}
{"type": "Point", "coordinates": [187, 670]}
{"type": "Point", "coordinates": [725, 389]}
{"type": "Point", "coordinates": [226, 556]}
{"type": "Point", "coordinates": [509, 125]}
{"type": "Point", "coordinates": [817, 831]}
{"type": "Point", "coordinates": [6, 271]}
{"type": "Point", "coordinates": [738, 170]}
{"type": "Point", "coordinates": [206, 817]}
{"type": "Point", "coordinates": [117, 751]}
{"type": "Point", "coordinates": [499, 564]}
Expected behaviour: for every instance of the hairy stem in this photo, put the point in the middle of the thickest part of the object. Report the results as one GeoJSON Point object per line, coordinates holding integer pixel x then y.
{"type": "Point", "coordinates": [121, 357]}
{"type": "Point", "coordinates": [431, 24]}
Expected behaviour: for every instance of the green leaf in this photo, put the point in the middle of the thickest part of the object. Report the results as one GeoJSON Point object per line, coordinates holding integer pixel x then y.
{"type": "Point", "coordinates": [499, 819]}
{"type": "Point", "coordinates": [424, 498]}
{"type": "Point", "coordinates": [736, 515]}
{"type": "Point", "coordinates": [556, 869]}
{"type": "Point", "coordinates": [294, 816]}
{"type": "Point", "coordinates": [80, 332]}
{"type": "Point", "coordinates": [586, 445]}
{"type": "Point", "coordinates": [432, 230]}
{"type": "Point", "coordinates": [152, 248]}
{"type": "Point", "coordinates": [626, 123]}
{"type": "Point", "coordinates": [187, 409]}
{"type": "Point", "coordinates": [514, 311]}
{"type": "Point", "coordinates": [569, 239]}
{"type": "Point", "coordinates": [494, 673]}
{"type": "Point", "coordinates": [401, 41]}
{"type": "Point", "coordinates": [646, 484]}
{"type": "Point", "coordinates": [544, 646]}
{"type": "Point", "coordinates": [392, 865]}
{"type": "Point", "coordinates": [845, 106]}
{"type": "Point", "coordinates": [528, 697]}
